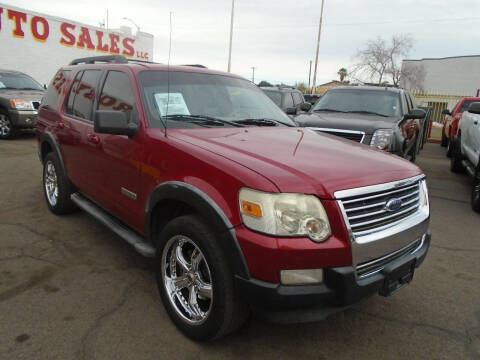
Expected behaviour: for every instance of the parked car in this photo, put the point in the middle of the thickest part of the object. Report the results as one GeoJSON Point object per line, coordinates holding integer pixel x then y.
{"type": "Point", "coordinates": [383, 117]}
{"type": "Point", "coordinates": [311, 98]}
{"type": "Point", "coordinates": [20, 97]}
{"type": "Point", "coordinates": [450, 125]}
{"type": "Point", "coordinates": [242, 210]}
{"type": "Point", "coordinates": [288, 99]}
{"type": "Point", "coordinates": [466, 150]}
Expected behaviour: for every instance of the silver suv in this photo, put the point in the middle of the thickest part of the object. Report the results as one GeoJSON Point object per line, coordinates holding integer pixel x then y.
{"type": "Point", "coordinates": [466, 150]}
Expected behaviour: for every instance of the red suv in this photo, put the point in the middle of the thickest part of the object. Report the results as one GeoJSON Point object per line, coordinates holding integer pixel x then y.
{"type": "Point", "coordinates": [243, 211]}
{"type": "Point", "coordinates": [450, 125]}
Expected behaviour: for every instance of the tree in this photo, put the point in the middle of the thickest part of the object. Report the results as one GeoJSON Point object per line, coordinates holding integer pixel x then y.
{"type": "Point", "coordinates": [381, 61]}
{"type": "Point", "coordinates": [301, 86]}
{"type": "Point", "coordinates": [342, 73]}
{"type": "Point", "coordinates": [264, 84]}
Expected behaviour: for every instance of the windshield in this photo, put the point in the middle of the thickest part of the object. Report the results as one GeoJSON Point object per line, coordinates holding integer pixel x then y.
{"type": "Point", "coordinates": [199, 99]}
{"type": "Point", "coordinates": [275, 96]}
{"type": "Point", "coordinates": [465, 105]}
{"type": "Point", "coordinates": [18, 82]}
{"type": "Point", "coordinates": [378, 102]}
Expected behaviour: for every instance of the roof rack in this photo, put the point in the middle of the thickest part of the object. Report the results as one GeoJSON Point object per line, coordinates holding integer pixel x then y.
{"type": "Point", "coordinates": [117, 59]}
{"type": "Point", "coordinates": [197, 65]}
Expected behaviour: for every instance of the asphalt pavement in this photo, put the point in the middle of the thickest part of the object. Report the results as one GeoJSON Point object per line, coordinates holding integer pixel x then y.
{"type": "Point", "coordinates": [71, 289]}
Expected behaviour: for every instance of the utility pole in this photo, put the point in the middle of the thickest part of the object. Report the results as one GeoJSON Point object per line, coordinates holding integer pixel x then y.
{"type": "Point", "coordinates": [231, 36]}
{"type": "Point", "coordinates": [253, 74]}
{"type": "Point", "coordinates": [318, 46]}
{"type": "Point", "coordinates": [309, 74]}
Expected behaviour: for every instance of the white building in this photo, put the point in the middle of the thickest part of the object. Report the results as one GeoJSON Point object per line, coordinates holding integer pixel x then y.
{"type": "Point", "coordinates": [38, 44]}
{"type": "Point", "coordinates": [458, 75]}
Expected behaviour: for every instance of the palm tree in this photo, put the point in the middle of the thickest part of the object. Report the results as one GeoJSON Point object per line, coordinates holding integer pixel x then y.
{"type": "Point", "coordinates": [342, 73]}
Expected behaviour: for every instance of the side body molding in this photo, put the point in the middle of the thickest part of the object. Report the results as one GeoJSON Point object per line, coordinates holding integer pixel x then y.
{"type": "Point", "coordinates": [209, 210]}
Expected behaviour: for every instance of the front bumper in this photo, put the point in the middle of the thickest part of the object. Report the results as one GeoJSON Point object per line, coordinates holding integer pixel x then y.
{"type": "Point", "coordinates": [341, 289]}
{"type": "Point", "coordinates": [25, 119]}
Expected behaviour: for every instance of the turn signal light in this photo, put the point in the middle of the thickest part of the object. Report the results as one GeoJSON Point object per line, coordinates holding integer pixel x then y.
{"type": "Point", "coordinates": [252, 209]}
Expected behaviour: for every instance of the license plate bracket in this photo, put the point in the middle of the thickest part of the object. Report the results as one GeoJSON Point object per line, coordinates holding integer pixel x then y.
{"type": "Point", "coordinates": [397, 277]}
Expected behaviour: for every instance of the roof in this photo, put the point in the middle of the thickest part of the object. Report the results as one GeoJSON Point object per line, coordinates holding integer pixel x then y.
{"type": "Point", "coordinates": [279, 88]}
{"type": "Point", "coordinates": [11, 72]}
{"type": "Point", "coordinates": [368, 87]}
{"type": "Point", "coordinates": [444, 58]}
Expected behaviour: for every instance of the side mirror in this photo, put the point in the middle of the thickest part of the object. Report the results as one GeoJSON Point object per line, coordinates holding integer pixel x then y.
{"type": "Point", "coordinates": [415, 114]}
{"type": "Point", "coordinates": [446, 112]}
{"type": "Point", "coordinates": [291, 111]}
{"type": "Point", "coordinates": [306, 106]}
{"type": "Point", "coordinates": [474, 108]}
{"type": "Point", "coordinates": [113, 122]}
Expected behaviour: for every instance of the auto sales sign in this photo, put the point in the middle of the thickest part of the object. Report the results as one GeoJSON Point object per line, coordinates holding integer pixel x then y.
{"type": "Point", "coordinates": [39, 44]}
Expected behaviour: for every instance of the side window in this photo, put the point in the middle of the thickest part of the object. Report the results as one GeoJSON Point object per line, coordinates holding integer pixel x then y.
{"type": "Point", "coordinates": [117, 95]}
{"type": "Point", "coordinates": [73, 91]}
{"type": "Point", "coordinates": [84, 94]}
{"type": "Point", "coordinates": [297, 98]}
{"type": "Point", "coordinates": [412, 101]}
{"type": "Point", "coordinates": [55, 88]}
{"type": "Point", "coordinates": [409, 105]}
{"type": "Point", "coordinates": [288, 100]}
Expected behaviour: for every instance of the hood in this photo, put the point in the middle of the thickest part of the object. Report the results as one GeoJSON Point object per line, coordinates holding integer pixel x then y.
{"type": "Point", "coordinates": [28, 95]}
{"type": "Point", "coordinates": [358, 122]}
{"type": "Point", "coordinates": [300, 160]}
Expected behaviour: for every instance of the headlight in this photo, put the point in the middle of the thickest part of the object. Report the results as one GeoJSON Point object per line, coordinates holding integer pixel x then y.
{"type": "Point", "coordinates": [382, 139]}
{"type": "Point", "coordinates": [284, 214]}
{"type": "Point", "coordinates": [424, 203]}
{"type": "Point", "coordinates": [21, 104]}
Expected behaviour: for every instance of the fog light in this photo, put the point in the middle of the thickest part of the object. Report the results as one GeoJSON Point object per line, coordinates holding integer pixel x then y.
{"type": "Point", "coordinates": [301, 277]}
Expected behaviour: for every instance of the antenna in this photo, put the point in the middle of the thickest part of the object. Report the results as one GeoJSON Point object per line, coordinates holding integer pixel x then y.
{"type": "Point", "coordinates": [168, 74]}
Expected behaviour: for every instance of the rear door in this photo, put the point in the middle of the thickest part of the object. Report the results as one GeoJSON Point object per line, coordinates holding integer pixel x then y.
{"type": "Point", "coordinates": [117, 158]}
{"type": "Point", "coordinates": [77, 117]}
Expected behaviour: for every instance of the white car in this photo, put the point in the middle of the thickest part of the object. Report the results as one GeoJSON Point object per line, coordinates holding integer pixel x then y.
{"type": "Point", "coordinates": [466, 151]}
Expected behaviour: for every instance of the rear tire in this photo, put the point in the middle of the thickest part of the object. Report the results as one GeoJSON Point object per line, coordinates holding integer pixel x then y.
{"type": "Point", "coordinates": [7, 130]}
{"type": "Point", "coordinates": [475, 200]}
{"type": "Point", "coordinates": [183, 281]}
{"type": "Point", "coordinates": [56, 186]}
{"type": "Point", "coordinates": [456, 159]}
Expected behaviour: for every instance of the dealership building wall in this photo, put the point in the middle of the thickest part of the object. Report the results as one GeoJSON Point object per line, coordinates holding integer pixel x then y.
{"type": "Point", "coordinates": [38, 44]}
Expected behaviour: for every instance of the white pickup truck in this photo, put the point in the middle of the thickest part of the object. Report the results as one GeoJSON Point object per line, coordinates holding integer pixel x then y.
{"type": "Point", "coordinates": [466, 151]}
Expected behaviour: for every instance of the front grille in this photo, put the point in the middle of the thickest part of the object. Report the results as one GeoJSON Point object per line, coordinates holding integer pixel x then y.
{"type": "Point", "coordinates": [368, 212]}
{"type": "Point", "coordinates": [373, 266]}
{"type": "Point", "coordinates": [36, 104]}
{"type": "Point", "coordinates": [347, 134]}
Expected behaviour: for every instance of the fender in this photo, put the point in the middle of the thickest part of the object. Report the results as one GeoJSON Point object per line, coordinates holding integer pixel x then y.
{"type": "Point", "coordinates": [204, 205]}
{"type": "Point", "coordinates": [48, 137]}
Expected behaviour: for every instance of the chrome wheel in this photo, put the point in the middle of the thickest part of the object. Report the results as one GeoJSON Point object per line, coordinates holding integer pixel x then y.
{"type": "Point", "coordinates": [5, 126]}
{"type": "Point", "coordinates": [51, 184]}
{"type": "Point", "coordinates": [187, 280]}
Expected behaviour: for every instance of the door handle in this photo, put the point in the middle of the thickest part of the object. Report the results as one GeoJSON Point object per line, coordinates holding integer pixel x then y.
{"type": "Point", "coordinates": [93, 138]}
{"type": "Point", "coordinates": [60, 125]}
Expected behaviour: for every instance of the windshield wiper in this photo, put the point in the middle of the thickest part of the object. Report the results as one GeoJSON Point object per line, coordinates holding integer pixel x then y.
{"type": "Point", "coordinates": [28, 88]}
{"type": "Point", "coordinates": [260, 122]}
{"type": "Point", "coordinates": [330, 110]}
{"type": "Point", "coordinates": [202, 120]}
{"type": "Point", "coordinates": [367, 112]}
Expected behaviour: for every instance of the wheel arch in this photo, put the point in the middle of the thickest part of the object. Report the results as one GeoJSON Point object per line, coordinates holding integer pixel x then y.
{"type": "Point", "coordinates": [174, 198]}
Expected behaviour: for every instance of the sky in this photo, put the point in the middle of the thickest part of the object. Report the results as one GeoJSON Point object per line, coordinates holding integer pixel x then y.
{"type": "Point", "coordinates": [279, 37]}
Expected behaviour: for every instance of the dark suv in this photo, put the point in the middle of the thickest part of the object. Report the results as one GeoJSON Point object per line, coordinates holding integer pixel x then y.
{"type": "Point", "coordinates": [288, 99]}
{"type": "Point", "coordinates": [382, 117]}
{"type": "Point", "coordinates": [20, 98]}
{"type": "Point", "coordinates": [243, 211]}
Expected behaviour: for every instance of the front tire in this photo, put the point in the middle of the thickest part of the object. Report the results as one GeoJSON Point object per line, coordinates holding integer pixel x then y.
{"type": "Point", "coordinates": [195, 282]}
{"type": "Point", "coordinates": [475, 200]}
{"type": "Point", "coordinates": [56, 187]}
{"type": "Point", "coordinates": [444, 141]}
{"type": "Point", "coordinates": [456, 159]}
{"type": "Point", "coordinates": [450, 147]}
{"type": "Point", "coordinates": [7, 130]}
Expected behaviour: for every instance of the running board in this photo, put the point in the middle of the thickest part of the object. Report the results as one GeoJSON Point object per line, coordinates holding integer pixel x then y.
{"type": "Point", "coordinates": [115, 225]}
{"type": "Point", "coordinates": [469, 167]}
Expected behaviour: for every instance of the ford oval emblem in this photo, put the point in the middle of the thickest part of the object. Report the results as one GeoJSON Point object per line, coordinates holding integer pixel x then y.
{"type": "Point", "coordinates": [393, 204]}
